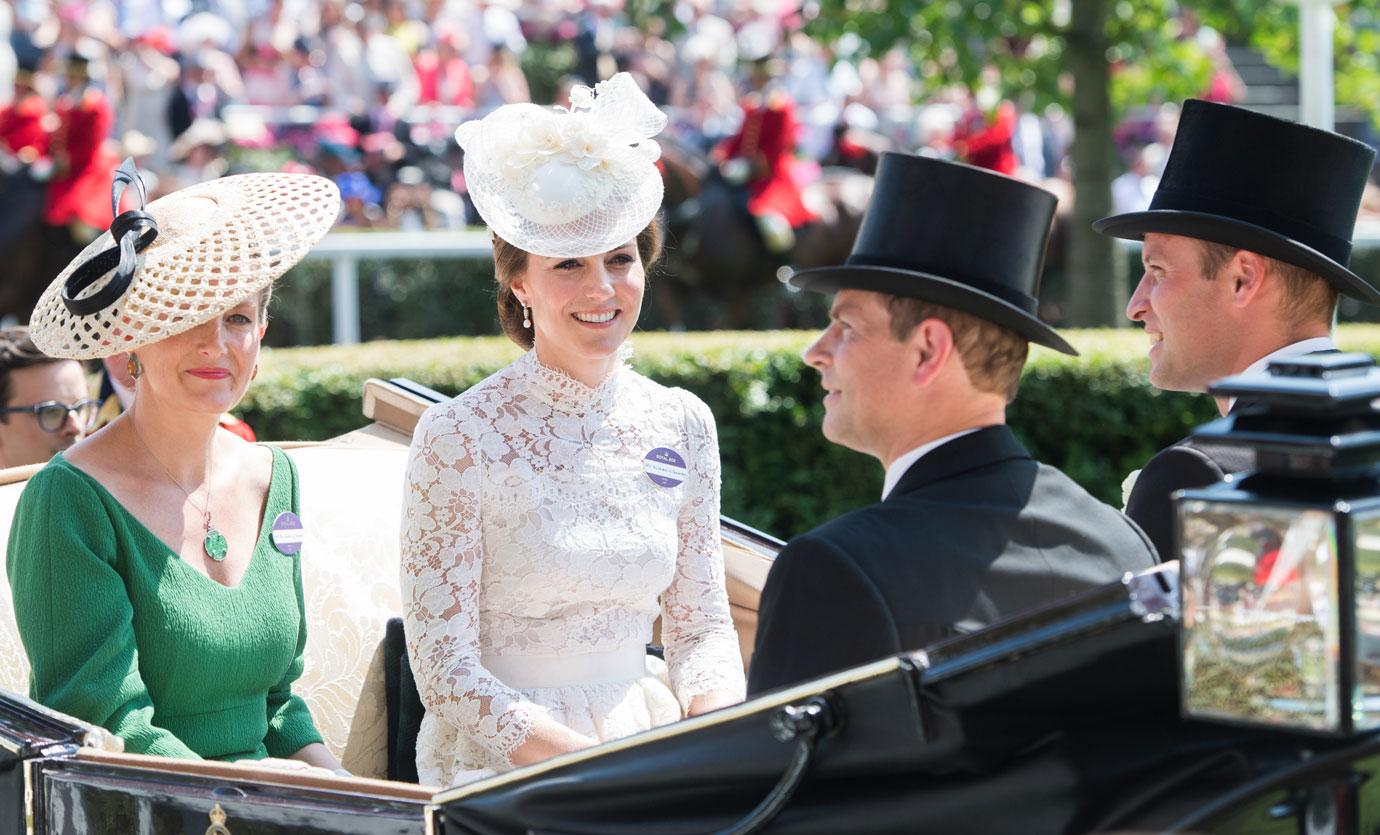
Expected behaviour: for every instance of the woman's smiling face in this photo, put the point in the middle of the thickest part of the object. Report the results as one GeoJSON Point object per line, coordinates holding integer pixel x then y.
{"type": "Point", "coordinates": [582, 309]}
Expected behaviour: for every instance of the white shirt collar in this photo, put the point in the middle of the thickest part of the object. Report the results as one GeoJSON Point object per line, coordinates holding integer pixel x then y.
{"type": "Point", "coordinates": [1297, 349]}
{"type": "Point", "coordinates": [1305, 346]}
{"type": "Point", "coordinates": [900, 465]}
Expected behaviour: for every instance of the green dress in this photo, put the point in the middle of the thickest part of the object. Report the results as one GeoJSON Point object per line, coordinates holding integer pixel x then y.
{"type": "Point", "coordinates": [122, 633]}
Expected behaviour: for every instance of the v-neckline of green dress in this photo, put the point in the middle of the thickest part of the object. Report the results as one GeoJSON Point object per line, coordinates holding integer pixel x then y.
{"type": "Point", "coordinates": [275, 488]}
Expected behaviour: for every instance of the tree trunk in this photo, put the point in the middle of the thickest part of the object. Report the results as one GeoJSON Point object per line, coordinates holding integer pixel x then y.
{"type": "Point", "coordinates": [1097, 291]}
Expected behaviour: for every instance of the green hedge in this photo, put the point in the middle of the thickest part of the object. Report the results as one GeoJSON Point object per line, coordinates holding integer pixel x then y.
{"type": "Point", "coordinates": [1094, 416]}
{"type": "Point", "coordinates": [421, 297]}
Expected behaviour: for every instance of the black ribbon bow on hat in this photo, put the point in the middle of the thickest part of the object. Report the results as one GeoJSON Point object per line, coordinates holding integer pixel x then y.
{"type": "Point", "coordinates": [133, 231]}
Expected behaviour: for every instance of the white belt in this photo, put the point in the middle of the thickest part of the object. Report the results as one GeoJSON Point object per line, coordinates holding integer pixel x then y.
{"type": "Point", "coordinates": [528, 671]}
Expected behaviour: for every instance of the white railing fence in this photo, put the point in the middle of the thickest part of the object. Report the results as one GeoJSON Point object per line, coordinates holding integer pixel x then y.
{"type": "Point", "coordinates": [346, 249]}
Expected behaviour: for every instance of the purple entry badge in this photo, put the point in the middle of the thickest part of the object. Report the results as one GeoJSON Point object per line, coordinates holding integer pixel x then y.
{"type": "Point", "coordinates": [664, 467]}
{"type": "Point", "coordinates": [288, 533]}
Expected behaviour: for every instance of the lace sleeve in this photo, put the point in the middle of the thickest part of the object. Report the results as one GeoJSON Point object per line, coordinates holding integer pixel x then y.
{"type": "Point", "coordinates": [442, 563]}
{"type": "Point", "coordinates": [701, 644]}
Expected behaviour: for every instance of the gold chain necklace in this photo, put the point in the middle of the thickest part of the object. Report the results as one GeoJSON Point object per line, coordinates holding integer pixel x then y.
{"type": "Point", "coordinates": [213, 543]}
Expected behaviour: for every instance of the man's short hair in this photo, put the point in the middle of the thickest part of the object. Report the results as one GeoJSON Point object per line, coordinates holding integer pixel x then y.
{"type": "Point", "coordinates": [992, 355]}
{"type": "Point", "coordinates": [1308, 297]}
{"type": "Point", "coordinates": [17, 351]}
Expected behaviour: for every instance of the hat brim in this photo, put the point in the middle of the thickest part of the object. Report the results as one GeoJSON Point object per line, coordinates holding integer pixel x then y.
{"type": "Point", "coordinates": [935, 289]}
{"type": "Point", "coordinates": [1225, 230]}
{"type": "Point", "coordinates": [219, 243]}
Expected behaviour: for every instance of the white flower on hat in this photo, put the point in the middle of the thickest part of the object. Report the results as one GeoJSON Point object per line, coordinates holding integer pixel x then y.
{"type": "Point", "coordinates": [581, 98]}
{"type": "Point", "coordinates": [537, 145]}
{"type": "Point", "coordinates": [567, 182]}
{"type": "Point", "coordinates": [586, 147]}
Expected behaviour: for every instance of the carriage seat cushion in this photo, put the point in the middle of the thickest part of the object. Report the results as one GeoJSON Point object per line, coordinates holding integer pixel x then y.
{"type": "Point", "coordinates": [351, 504]}
{"type": "Point", "coordinates": [351, 499]}
{"type": "Point", "coordinates": [14, 664]}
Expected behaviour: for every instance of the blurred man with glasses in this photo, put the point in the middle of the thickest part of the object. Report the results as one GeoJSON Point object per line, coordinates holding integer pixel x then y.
{"type": "Point", "coordinates": [45, 406]}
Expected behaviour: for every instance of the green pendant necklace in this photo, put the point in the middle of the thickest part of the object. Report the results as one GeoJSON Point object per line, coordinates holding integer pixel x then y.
{"type": "Point", "coordinates": [213, 543]}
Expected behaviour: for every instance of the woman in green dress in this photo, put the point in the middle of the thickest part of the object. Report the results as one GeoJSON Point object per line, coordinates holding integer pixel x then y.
{"type": "Point", "coordinates": [155, 566]}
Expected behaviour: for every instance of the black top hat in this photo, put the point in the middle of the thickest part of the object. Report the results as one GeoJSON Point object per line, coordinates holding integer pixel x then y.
{"type": "Point", "coordinates": [1274, 187]}
{"type": "Point", "coordinates": [954, 235]}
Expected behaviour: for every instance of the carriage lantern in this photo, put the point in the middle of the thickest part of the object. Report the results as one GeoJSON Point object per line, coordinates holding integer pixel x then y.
{"type": "Point", "coordinates": [1281, 564]}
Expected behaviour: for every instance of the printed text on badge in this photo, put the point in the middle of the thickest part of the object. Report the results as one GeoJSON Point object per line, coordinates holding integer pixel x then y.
{"type": "Point", "coordinates": [664, 466]}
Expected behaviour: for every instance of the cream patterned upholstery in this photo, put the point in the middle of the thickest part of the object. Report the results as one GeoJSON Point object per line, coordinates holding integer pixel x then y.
{"type": "Point", "coordinates": [14, 665]}
{"type": "Point", "coordinates": [351, 509]}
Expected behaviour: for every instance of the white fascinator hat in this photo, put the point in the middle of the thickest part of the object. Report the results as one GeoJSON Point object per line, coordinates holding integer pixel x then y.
{"type": "Point", "coordinates": [567, 182]}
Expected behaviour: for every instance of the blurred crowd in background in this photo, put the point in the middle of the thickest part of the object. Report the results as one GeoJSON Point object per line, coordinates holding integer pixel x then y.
{"type": "Point", "coordinates": [370, 92]}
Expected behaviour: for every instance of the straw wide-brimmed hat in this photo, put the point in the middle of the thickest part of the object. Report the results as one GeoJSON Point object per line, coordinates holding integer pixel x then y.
{"type": "Point", "coordinates": [567, 183]}
{"type": "Point", "coordinates": [189, 257]}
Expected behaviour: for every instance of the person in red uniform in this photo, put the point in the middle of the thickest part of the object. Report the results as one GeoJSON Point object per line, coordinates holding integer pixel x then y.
{"type": "Point", "coordinates": [79, 196]}
{"type": "Point", "coordinates": [77, 208]}
{"type": "Point", "coordinates": [985, 140]}
{"type": "Point", "coordinates": [760, 155]}
{"type": "Point", "coordinates": [25, 124]}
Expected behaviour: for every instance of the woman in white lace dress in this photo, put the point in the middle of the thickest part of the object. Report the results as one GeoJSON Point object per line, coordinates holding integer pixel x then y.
{"type": "Point", "coordinates": [556, 509]}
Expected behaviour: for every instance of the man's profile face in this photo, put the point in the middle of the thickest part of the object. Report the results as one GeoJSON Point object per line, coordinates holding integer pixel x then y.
{"type": "Point", "coordinates": [22, 440]}
{"type": "Point", "coordinates": [1183, 313]}
{"type": "Point", "coordinates": [864, 369]}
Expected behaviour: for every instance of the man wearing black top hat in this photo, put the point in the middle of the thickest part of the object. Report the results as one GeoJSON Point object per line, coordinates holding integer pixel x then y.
{"type": "Point", "coordinates": [1246, 243]}
{"type": "Point", "coordinates": [931, 319]}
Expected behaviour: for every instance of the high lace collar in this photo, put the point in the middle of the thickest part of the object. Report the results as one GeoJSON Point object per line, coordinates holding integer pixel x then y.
{"type": "Point", "coordinates": [567, 395]}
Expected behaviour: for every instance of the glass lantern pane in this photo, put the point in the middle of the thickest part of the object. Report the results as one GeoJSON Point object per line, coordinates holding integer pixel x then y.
{"type": "Point", "coordinates": [1261, 630]}
{"type": "Point", "coordinates": [1367, 527]}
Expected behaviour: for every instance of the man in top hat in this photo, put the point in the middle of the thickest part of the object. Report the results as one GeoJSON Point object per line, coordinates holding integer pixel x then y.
{"type": "Point", "coordinates": [931, 319]}
{"type": "Point", "coordinates": [1246, 243]}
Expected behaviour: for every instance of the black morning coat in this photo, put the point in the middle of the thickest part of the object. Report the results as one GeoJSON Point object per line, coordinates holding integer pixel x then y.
{"type": "Point", "coordinates": [1186, 465]}
{"type": "Point", "coordinates": [975, 531]}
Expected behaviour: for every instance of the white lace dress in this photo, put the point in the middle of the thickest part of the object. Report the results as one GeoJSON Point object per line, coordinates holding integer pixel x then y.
{"type": "Point", "coordinates": [546, 525]}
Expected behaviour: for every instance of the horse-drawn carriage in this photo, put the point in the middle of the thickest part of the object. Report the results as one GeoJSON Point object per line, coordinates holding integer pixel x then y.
{"type": "Point", "coordinates": [1064, 719]}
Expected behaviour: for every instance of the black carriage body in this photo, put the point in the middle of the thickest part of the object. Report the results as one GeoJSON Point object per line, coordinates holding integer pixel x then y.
{"type": "Point", "coordinates": [972, 735]}
{"type": "Point", "coordinates": [73, 797]}
{"type": "Point", "coordinates": [50, 786]}
{"type": "Point", "coordinates": [29, 734]}
{"type": "Point", "coordinates": [1065, 720]}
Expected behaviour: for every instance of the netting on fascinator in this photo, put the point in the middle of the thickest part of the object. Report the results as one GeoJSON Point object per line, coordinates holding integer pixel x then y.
{"type": "Point", "coordinates": [567, 182]}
